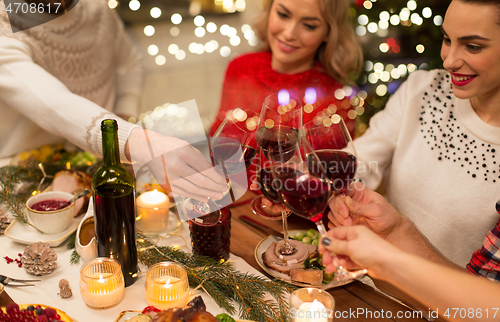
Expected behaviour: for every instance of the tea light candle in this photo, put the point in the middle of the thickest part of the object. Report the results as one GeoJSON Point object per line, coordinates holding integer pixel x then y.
{"type": "Point", "coordinates": [101, 283]}
{"type": "Point", "coordinates": [312, 312]}
{"type": "Point", "coordinates": [167, 285]}
{"type": "Point", "coordinates": [311, 305]}
{"type": "Point", "coordinates": [152, 210]}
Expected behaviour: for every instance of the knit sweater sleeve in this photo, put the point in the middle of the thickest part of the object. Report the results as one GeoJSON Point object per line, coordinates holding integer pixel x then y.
{"type": "Point", "coordinates": [375, 148]}
{"type": "Point", "coordinates": [30, 90]}
{"type": "Point", "coordinates": [130, 74]}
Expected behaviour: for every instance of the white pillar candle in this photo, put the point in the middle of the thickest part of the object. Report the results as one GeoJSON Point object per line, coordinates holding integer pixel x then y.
{"type": "Point", "coordinates": [311, 312]}
{"type": "Point", "coordinates": [152, 211]}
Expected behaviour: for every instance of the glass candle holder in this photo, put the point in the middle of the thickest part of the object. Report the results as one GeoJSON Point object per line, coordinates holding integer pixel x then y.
{"type": "Point", "coordinates": [311, 304]}
{"type": "Point", "coordinates": [212, 239]}
{"type": "Point", "coordinates": [167, 285]}
{"type": "Point", "coordinates": [153, 216]}
{"type": "Point", "coordinates": [101, 283]}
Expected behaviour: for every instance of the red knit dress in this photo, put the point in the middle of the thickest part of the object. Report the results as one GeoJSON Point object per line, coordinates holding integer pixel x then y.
{"type": "Point", "coordinates": [250, 78]}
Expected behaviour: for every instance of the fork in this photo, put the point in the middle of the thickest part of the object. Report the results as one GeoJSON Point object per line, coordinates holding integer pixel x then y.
{"type": "Point", "coordinates": [365, 279]}
{"type": "Point", "coordinates": [17, 282]}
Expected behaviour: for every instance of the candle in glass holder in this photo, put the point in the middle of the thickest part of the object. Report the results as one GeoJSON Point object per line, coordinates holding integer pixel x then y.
{"type": "Point", "coordinates": [167, 285]}
{"type": "Point", "coordinates": [152, 212]}
{"type": "Point", "coordinates": [311, 305]}
{"type": "Point", "coordinates": [101, 283]}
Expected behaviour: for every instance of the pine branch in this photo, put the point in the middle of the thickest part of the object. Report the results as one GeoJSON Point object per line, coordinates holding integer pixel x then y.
{"type": "Point", "coordinates": [74, 258]}
{"type": "Point", "coordinates": [10, 179]}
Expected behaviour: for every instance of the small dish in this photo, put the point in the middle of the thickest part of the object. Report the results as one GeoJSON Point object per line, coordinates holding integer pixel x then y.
{"type": "Point", "coordinates": [264, 245]}
{"type": "Point", "coordinates": [88, 250]}
{"type": "Point", "coordinates": [28, 235]}
{"type": "Point", "coordinates": [51, 221]}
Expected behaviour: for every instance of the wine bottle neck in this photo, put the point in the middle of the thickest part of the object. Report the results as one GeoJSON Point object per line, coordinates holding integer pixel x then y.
{"type": "Point", "coordinates": [110, 148]}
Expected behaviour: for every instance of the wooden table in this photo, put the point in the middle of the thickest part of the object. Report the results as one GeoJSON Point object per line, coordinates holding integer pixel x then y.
{"type": "Point", "coordinates": [350, 299]}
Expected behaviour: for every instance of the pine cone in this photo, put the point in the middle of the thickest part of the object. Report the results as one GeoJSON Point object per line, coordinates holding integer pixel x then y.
{"type": "Point", "coordinates": [39, 259]}
{"type": "Point", "coordinates": [65, 293]}
{"type": "Point", "coordinates": [63, 283]}
{"type": "Point", "coordinates": [65, 290]}
{"type": "Point", "coordinates": [4, 222]}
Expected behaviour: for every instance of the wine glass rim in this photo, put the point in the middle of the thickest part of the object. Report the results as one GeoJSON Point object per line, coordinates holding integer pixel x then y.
{"type": "Point", "coordinates": [232, 120]}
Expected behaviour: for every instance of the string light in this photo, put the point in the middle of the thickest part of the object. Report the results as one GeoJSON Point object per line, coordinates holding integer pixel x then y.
{"type": "Point", "coordinates": [199, 32]}
{"type": "Point", "coordinates": [199, 21]}
{"type": "Point", "coordinates": [176, 18]}
{"type": "Point", "coordinates": [155, 12]}
{"type": "Point", "coordinates": [174, 31]}
{"type": "Point", "coordinates": [134, 5]}
{"type": "Point", "coordinates": [225, 51]}
{"type": "Point", "coordinates": [180, 55]}
{"type": "Point", "coordinates": [112, 4]}
{"type": "Point", "coordinates": [160, 60]}
{"type": "Point", "coordinates": [153, 50]}
{"type": "Point", "coordinates": [438, 20]}
{"type": "Point", "coordinates": [211, 27]}
{"type": "Point", "coordinates": [149, 30]}
{"type": "Point", "coordinates": [235, 40]}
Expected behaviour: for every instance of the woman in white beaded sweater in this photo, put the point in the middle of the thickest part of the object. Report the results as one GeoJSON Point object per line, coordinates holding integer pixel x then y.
{"type": "Point", "coordinates": [436, 142]}
{"type": "Point", "coordinates": [60, 78]}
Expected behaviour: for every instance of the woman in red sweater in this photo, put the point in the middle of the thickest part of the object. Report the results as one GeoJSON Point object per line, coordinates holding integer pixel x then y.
{"type": "Point", "coordinates": [308, 44]}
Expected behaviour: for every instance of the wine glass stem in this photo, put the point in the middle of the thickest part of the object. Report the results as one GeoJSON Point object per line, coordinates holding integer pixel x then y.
{"type": "Point", "coordinates": [321, 228]}
{"type": "Point", "coordinates": [287, 248]}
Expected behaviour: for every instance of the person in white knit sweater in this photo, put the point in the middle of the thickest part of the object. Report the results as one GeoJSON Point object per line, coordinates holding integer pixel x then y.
{"type": "Point", "coordinates": [60, 79]}
{"type": "Point", "coordinates": [436, 142]}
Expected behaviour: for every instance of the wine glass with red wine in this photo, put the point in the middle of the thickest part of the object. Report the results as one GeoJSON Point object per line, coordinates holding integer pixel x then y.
{"type": "Point", "coordinates": [233, 148]}
{"type": "Point", "coordinates": [302, 182]}
{"type": "Point", "coordinates": [278, 133]}
{"type": "Point", "coordinates": [332, 143]}
{"type": "Point", "coordinates": [304, 186]}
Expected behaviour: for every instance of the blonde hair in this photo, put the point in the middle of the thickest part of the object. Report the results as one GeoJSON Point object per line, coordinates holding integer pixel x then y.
{"type": "Point", "coordinates": [341, 55]}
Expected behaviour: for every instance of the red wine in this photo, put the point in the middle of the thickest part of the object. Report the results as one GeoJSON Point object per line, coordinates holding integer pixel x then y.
{"type": "Point", "coordinates": [340, 168]}
{"type": "Point", "coordinates": [305, 195]}
{"type": "Point", "coordinates": [265, 179]}
{"type": "Point", "coordinates": [278, 142]}
{"type": "Point", "coordinates": [213, 240]}
{"type": "Point", "coordinates": [115, 227]}
{"type": "Point", "coordinates": [225, 154]}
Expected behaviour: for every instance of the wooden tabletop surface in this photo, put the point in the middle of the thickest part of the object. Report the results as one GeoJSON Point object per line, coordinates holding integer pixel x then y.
{"type": "Point", "coordinates": [353, 302]}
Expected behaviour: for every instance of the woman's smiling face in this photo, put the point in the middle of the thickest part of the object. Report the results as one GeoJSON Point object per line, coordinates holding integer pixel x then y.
{"type": "Point", "coordinates": [295, 31]}
{"type": "Point", "coordinates": [471, 49]}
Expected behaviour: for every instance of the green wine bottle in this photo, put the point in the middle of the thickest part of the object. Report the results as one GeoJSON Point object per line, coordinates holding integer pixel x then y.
{"type": "Point", "coordinates": [113, 194]}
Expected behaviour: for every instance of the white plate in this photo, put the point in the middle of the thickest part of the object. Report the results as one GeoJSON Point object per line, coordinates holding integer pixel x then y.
{"type": "Point", "coordinates": [264, 245]}
{"type": "Point", "coordinates": [28, 235]}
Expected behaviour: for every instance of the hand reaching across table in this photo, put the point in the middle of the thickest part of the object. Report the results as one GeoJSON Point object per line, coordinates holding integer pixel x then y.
{"type": "Point", "coordinates": [362, 206]}
{"type": "Point", "coordinates": [177, 166]}
{"type": "Point", "coordinates": [437, 286]}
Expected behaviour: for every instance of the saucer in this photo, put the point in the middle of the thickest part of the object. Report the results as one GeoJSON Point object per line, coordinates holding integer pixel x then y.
{"type": "Point", "coordinates": [28, 235]}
